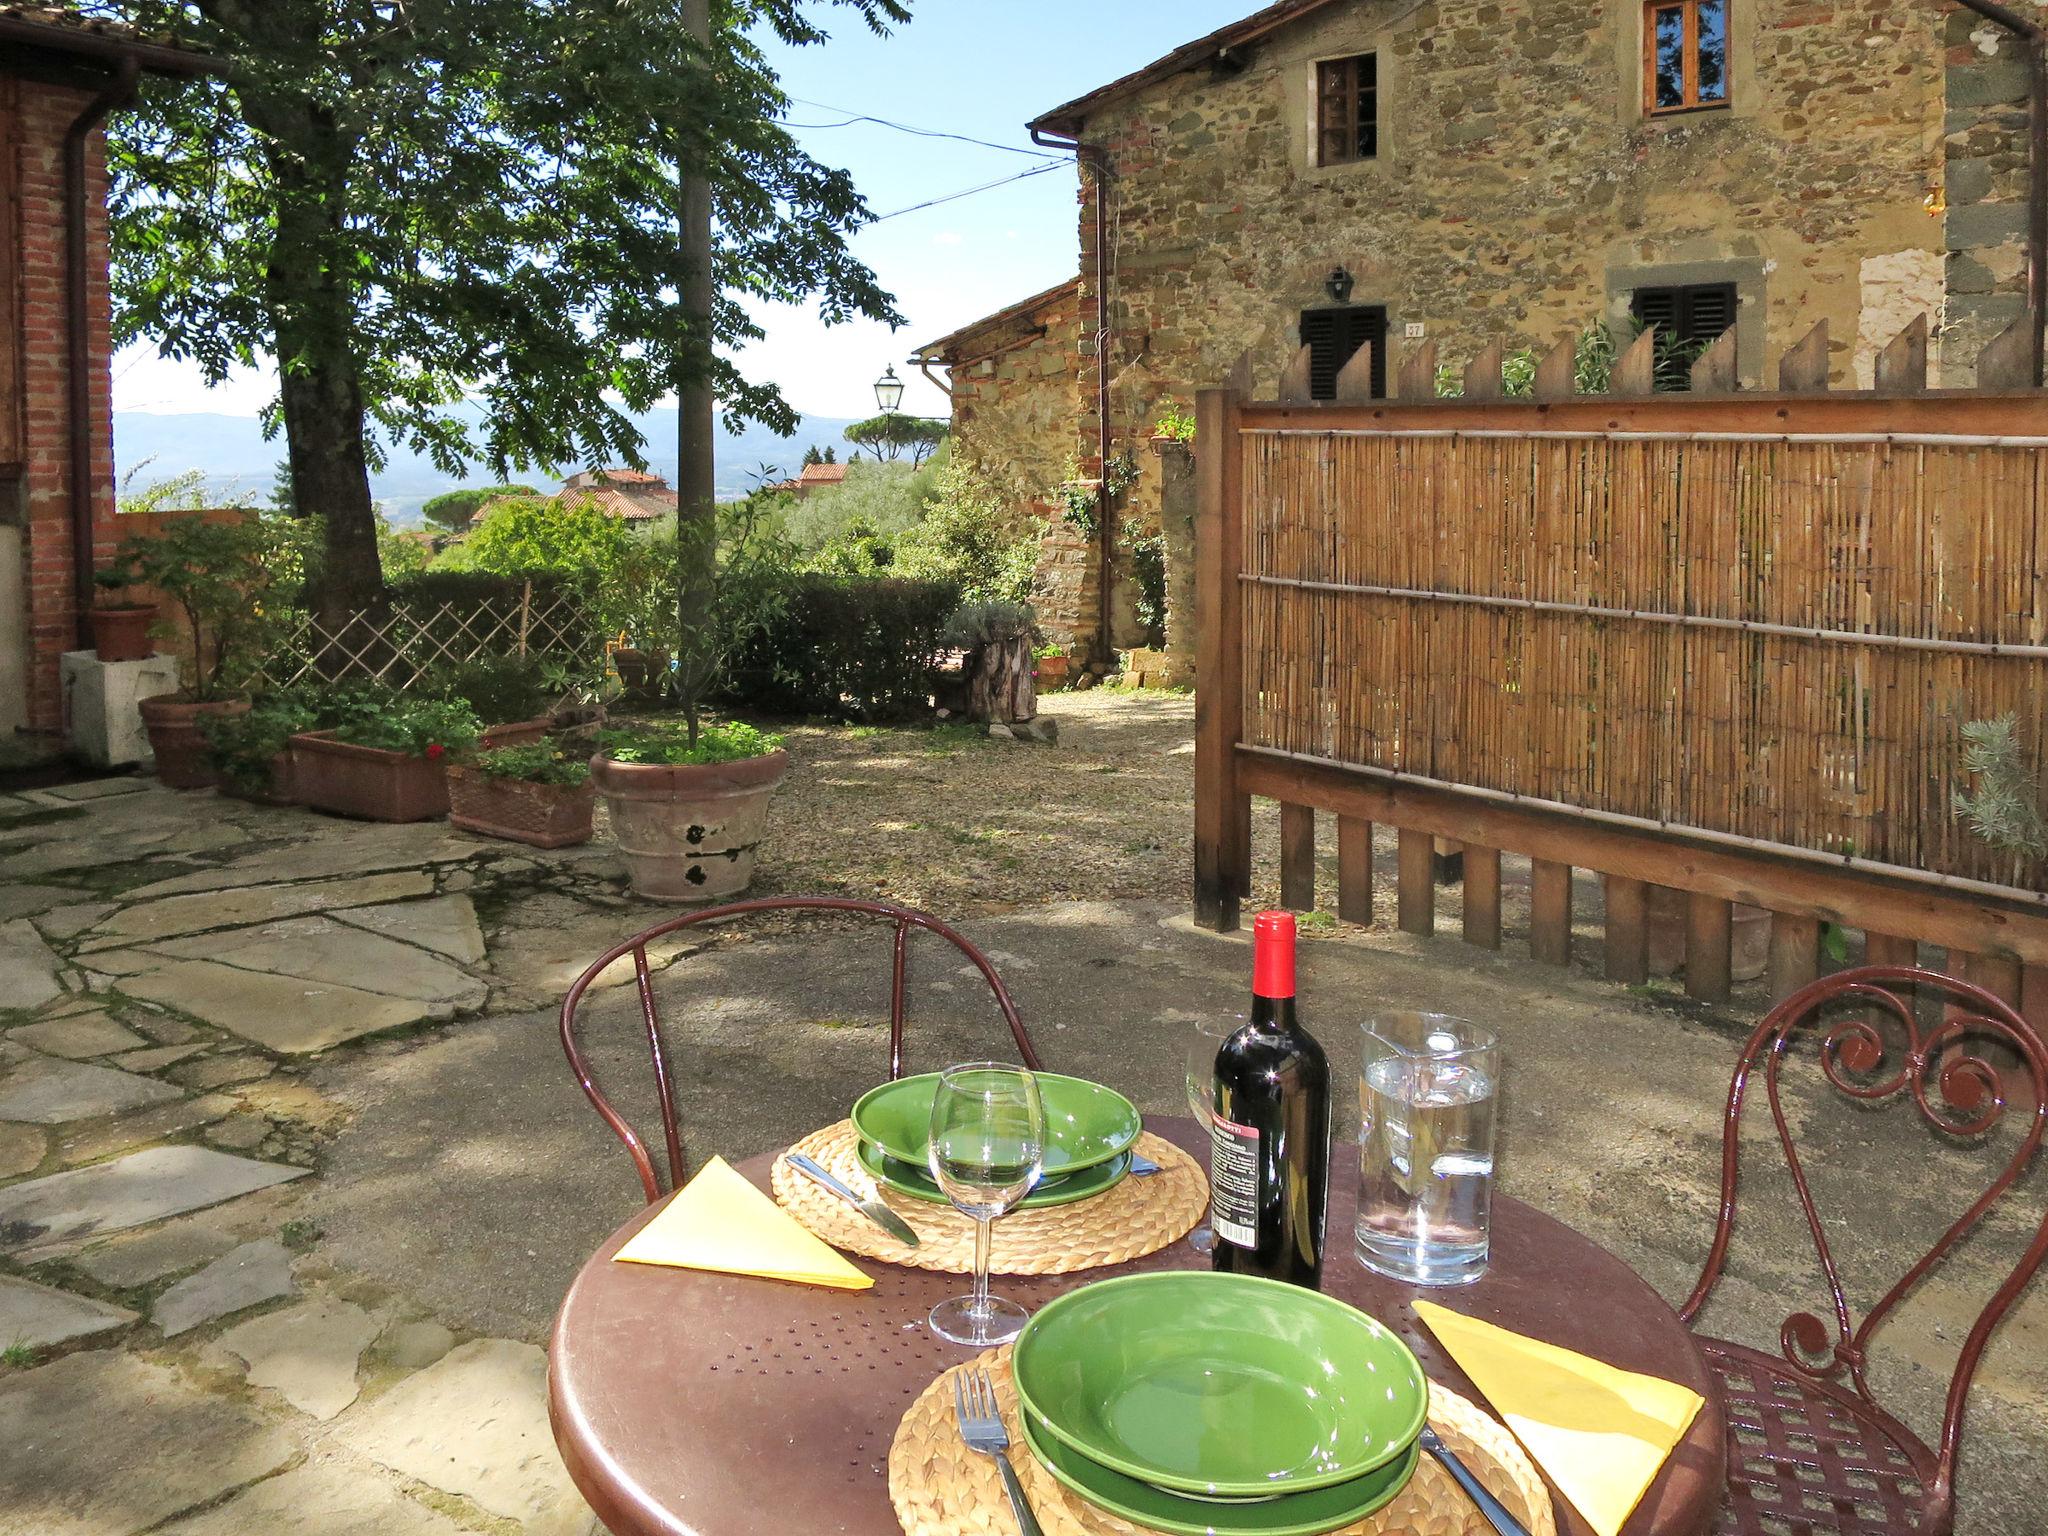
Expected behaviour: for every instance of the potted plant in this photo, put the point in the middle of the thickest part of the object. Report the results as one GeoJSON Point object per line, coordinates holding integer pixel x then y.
{"type": "Point", "coordinates": [688, 815]}
{"type": "Point", "coordinates": [536, 792]}
{"type": "Point", "coordinates": [509, 693]}
{"type": "Point", "coordinates": [220, 575]}
{"type": "Point", "coordinates": [1049, 667]}
{"type": "Point", "coordinates": [384, 761]}
{"type": "Point", "coordinates": [251, 752]}
{"type": "Point", "coordinates": [120, 625]}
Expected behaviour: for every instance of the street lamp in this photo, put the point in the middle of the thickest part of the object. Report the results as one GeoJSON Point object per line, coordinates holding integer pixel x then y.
{"type": "Point", "coordinates": [889, 392]}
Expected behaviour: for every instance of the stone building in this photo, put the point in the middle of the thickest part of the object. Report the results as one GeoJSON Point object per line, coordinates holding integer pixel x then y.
{"type": "Point", "coordinates": [60, 75]}
{"type": "Point", "coordinates": [1328, 172]}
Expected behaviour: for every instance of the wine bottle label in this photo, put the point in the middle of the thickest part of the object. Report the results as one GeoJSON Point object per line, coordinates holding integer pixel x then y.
{"type": "Point", "coordinates": [1234, 1182]}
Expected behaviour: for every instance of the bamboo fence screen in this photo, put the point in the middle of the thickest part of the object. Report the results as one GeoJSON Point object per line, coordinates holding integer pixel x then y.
{"type": "Point", "coordinates": [1768, 636]}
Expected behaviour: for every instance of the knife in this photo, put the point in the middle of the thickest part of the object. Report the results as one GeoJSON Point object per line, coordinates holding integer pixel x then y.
{"type": "Point", "coordinates": [874, 1210]}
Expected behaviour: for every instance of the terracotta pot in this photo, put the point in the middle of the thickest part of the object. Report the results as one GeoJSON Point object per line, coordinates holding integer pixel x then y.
{"type": "Point", "coordinates": [544, 815]}
{"type": "Point", "coordinates": [1749, 936]}
{"type": "Point", "coordinates": [366, 782]}
{"type": "Point", "coordinates": [689, 833]}
{"type": "Point", "coordinates": [517, 733]}
{"type": "Point", "coordinates": [1051, 671]}
{"type": "Point", "coordinates": [122, 634]}
{"type": "Point", "coordinates": [274, 790]}
{"type": "Point", "coordinates": [184, 760]}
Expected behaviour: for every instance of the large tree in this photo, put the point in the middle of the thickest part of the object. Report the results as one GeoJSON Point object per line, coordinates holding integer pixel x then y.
{"type": "Point", "coordinates": [457, 225]}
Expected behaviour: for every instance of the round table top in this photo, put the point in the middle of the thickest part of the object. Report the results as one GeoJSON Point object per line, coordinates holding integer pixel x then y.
{"type": "Point", "coordinates": [688, 1403]}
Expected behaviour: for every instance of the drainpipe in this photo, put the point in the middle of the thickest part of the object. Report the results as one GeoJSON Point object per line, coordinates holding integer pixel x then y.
{"type": "Point", "coordinates": [118, 92]}
{"type": "Point", "coordinates": [2036, 39]}
{"type": "Point", "coordinates": [1097, 160]}
{"type": "Point", "coordinates": [924, 366]}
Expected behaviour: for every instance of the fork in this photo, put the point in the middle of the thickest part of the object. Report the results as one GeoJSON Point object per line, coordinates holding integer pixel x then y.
{"type": "Point", "coordinates": [981, 1427]}
{"type": "Point", "coordinates": [1496, 1513]}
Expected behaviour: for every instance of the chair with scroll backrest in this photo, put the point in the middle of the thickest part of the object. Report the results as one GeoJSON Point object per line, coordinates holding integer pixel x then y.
{"type": "Point", "coordinates": [1809, 1449]}
{"type": "Point", "coordinates": [902, 919]}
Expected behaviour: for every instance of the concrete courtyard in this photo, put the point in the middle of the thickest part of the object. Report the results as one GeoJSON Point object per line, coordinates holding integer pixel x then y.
{"type": "Point", "coordinates": [292, 1173]}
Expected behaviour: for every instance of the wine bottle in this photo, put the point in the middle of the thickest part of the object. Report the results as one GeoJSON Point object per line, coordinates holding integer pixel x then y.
{"type": "Point", "coordinates": [1269, 1151]}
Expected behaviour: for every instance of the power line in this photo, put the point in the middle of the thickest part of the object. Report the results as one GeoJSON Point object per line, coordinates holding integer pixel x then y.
{"type": "Point", "coordinates": [853, 117]}
{"type": "Point", "coordinates": [950, 197]}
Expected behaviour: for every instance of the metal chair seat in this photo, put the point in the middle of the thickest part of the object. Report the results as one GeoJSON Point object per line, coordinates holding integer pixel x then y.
{"type": "Point", "coordinates": [1806, 1460]}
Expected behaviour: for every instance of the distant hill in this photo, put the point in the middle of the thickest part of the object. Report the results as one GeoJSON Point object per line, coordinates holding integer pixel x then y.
{"type": "Point", "coordinates": [231, 453]}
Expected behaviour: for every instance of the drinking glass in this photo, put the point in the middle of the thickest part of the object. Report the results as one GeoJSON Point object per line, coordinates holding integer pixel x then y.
{"type": "Point", "coordinates": [1427, 1092]}
{"type": "Point", "coordinates": [1210, 1031]}
{"type": "Point", "coordinates": [987, 1148]}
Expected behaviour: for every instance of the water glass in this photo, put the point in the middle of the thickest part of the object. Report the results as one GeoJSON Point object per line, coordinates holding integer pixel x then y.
{"type": "Point", "coordinates": [987, 1149]}
{"type": "Point", "coordinates": [1427, 1093]}
{"type": "Point", "coordinates": [1210, 1031]}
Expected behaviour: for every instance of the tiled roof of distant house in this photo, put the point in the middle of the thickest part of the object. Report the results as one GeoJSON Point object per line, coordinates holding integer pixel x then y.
{"type": "Point", "coordinates": [815, 475]}
{"type": "Point", "coordinates": [623, 493]}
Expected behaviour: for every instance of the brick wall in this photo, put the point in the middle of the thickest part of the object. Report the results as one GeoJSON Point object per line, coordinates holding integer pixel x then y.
{"type": "Point", "coordinates": [44, 113]}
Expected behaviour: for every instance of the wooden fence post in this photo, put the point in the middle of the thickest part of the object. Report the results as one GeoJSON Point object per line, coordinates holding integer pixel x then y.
{"type": "Point", "coordinates": [2007, 361]}
{"type": "Point", "coordinates": [1713, 371]}
{"type": "Point", "coordinates": [1482, 375]}
{"type": "Point", "coordinates": [1482, 896]}
{"type": "Point", "coordinates": [1297, 857]}
{"type": "Point", "coordinates": [1902, 366]}
{"type": "Point", "coordinates": [1416, 887]}
{"type": "Point", "coordinates": [1550, 912]}
{"type": "Point", "coordinates": [1804, 369]}
{"type": "Point", "coordinates": [1627, 945]}
{"type": "Point", "coordinates": [1888, 949]}
{"type": "Point", "coordinates": [1221, 826]}
{"type": "Point", "coordinates": [1418, 374]}
{"type": "Point", "coordinates": [1557, 376]}
{"type": "Point", "coordinates": [1354, 379]}
{"type": "Point", "coordinates": [1635, 371]}
{"type": "Point", "coordinates": [1709, 948]}
{"type": "Point", "coordinates": [1294, 379]}
{"type": "Point", "coordinates": [1795, 953]}
{"type": "Point", "coordinates": [1354, 870]}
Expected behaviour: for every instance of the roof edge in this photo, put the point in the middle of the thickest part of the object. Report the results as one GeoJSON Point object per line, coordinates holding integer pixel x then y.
{"type": "Point", "coordinates": [1008, 312]}
{"type": "Point", "coordinates": [106, 42]}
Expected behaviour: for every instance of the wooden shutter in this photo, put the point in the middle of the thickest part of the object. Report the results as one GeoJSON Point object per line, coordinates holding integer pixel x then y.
{"type": "Point", "coordinates": [1333, 337]}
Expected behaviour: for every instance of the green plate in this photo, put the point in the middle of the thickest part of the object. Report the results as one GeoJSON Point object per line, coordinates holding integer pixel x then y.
{"type": "Point", "coordinates": [1295, 1514]}
{"type": "Point", "coordinates": [1085, 1123]}
{"type": "Point", "coordinates": [907, 1179]}
{"type": "Point", "coordinates": [1220, 1384]}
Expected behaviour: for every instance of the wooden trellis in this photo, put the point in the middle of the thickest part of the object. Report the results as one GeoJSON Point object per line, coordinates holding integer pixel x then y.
{"type": "Point", "coordinates": [409, 637]}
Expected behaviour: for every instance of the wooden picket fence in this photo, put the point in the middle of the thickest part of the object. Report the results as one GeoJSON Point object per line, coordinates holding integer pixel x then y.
{"type": "Point", "coordinates": [1722, 642]}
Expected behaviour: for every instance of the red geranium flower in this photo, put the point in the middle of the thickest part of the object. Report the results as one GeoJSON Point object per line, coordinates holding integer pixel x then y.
{"type": "Point", "coordinates": [435, 751]}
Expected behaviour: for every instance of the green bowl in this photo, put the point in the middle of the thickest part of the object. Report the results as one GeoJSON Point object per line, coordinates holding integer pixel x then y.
{"type": "Point", "coordinates": [1294, 1514]}
{"type": "Point", "coordinates": [1225, 1385]}
{"type": "Point", "coordinates": [1083, 1184]}
{"type": "Point", "coordinates": [1085, 1123]}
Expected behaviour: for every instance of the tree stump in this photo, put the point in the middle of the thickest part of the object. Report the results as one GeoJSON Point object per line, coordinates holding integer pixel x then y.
{"type": "Point", "coordinates": [1000, 688]}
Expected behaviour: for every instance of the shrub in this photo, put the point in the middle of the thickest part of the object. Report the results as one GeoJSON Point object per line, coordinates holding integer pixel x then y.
{"type": "Point", "coordinates": [537, 762]}
{"type": "Point", "coordinates": [2006, 807]}
{"type": "Point", "coordinates": [530, 534]}
{"type": "Point", "coordinates": [418, 727]}
{"type": "Point", "coordinates": [670, 745]}
{"type": "Point", "coordinates": [243, 745]}
{"type": "Point", "coordinates": [227, 580]}
{"type": "Point", "coordinates": [884, 498]}
{"type": "Point", "coordinates": [501, 689]}
{"type": "Point", "coordinates": [453, 509]}
{"type": "Point", "coordinates": [859, 648]}
{"type": "Point", "coordinates": [973, 535]}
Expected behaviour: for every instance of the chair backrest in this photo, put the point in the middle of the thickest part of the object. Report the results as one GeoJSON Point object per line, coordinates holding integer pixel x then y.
{"type": "Point", "coordinates": [1958, 1093]}
{"type": "Point", "coordinates": [903, 919]}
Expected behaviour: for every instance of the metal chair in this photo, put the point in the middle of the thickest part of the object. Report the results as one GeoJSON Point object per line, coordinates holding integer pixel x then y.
{"type": "Point", "coordinates": [1809, 1449]}
{"type": "Point", "coordinates": [903, 918]}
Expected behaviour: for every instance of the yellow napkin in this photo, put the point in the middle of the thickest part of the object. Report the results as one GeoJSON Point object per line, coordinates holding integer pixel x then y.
{"type": "Point", "coordinates": [720, 1221]}
{"type": "Point", "coordinates": [1601, 1433]}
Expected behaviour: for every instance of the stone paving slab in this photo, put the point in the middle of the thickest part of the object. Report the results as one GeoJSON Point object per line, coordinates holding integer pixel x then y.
{"type": "Point", "coordinates": [45, 1091]}
{"type": "Point", "coordinates": [306, 1354]}
{"type": "Point", "coordinates": [28, 967]}
{"type": "Point", "coordinates": [143, 1186]}
{"type": "Point", "coordinates": [108, 1444]}
{"type": "Point", "coordinates": [21, 1149]}
{"type": "Point", "coordinates": [147, 1256]}
{"type": "Point", "coordinates": [67, 922]}
{"type": "Point", "coordinates": [445, 924]}
{"type": "Point", "coordinates": [282, 1013]}
{"type": "Point", "coordinates": [156, 1057]}
{"type": "Point", "coordinates": [21, 899]}
{"type": "Point", "coordinates": [172, 917]}
{"type": "Point", "coordinates": [475, 1423]}
{"type": "Point", "coordinates": [318, 1499]}
{"type": "Point", "coordinates": [243, 1277]}
{"type": "Point", "coordinates": [321, 949]}
{"type": "Point", "coordinates": [333, 850]}
{"type": "Point", "coordinates": [97, 789]}
{"type": "Point", "coordinates": [78, 1037]}
{"type": "Point", "coordinates": [40, 1316]}
{"type": "Point", "coordinates": [89, 1143]}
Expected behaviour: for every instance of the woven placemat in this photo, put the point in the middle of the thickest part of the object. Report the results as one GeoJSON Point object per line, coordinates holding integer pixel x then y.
{"type": "Point", "coordinates": [1135, 1217]}
{"type": "Point", "coordinates": [940, 1488]}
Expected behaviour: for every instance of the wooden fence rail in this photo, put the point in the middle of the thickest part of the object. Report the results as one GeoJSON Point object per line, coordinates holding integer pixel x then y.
{"type": "Point", "coordinates": [1718, 642]}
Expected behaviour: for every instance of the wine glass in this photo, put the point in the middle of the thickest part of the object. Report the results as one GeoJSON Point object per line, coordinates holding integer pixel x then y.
{"type": "Point", "coordinates": [1210, 1031]}
{"type": "Point", "coordinates": [987, 1148]}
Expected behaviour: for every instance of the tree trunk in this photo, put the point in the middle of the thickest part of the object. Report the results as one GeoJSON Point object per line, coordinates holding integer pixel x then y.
{"type": "Point", "coordinates": [1000, 687]}
{"type": "Point", "coordinates": [696, 469]}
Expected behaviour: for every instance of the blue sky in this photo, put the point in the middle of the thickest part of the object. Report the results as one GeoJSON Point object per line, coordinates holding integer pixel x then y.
{"type": "Point", "coordinates": [975, 67]}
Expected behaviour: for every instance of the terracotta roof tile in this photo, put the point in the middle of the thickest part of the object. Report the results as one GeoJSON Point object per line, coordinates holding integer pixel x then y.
{"type": "Point", "coordinates": [68, 30]}
{"type": "Point", "coordinates": [822, 474]}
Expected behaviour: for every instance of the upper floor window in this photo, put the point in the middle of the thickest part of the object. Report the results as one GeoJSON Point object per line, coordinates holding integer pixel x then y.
{"type": "Point", "coordinates": [1347, 109]}
{"type": "Point", "coordinates": [1685, 55]}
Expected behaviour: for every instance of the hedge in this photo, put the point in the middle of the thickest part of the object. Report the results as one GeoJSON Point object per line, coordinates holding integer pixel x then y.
{"type": "Point", "coordinates": [847, 647]}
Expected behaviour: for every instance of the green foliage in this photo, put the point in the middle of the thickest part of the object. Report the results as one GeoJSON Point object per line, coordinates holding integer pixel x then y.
{"type": "Point", "coordinates": [1146, 549]}
{"type": "Point", "coordinates": [532, 535]}
{"type": "Point", "coordinates": [2005, 810]}
{"type": "Point", "coordinates": [538, 762]}
{"type": "Point", "coordinates": [408, 723]}
{"type": "Point", "coordinates": [676, 745]}
{"type": "Point", "coordinates": [242, 746]}
{"type": "Point", "coordinates": [976, 624]}
{"type": "Point", "coordinates": [1175, 424]}
{"type": "Point", "coordinates": [1083, 497]}
{"type": "Point", "coordinates": [399, 554]}
{"type": "Point", "coordinates": [886, 499]}
{"type": "Point", "coordinates": [972, 535]}
{"type": "Point", "coordinates": [891, 435]}
{"type": "Point", "coordinates": [231, 580]}
{"type": "Point", "coordinates": [173, 493]}
{"type": "Point", "coordinates": [453, 509]}
{"type": "Point", "coordinates": [502, 690]}
{"type": "Point", "coordinates": [847, 648]}
{"type": "Point", "coordinates": [1593, 355]}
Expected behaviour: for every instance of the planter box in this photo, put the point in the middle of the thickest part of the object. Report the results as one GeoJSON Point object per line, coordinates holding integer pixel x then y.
{"type": "Point", "coordinates": [276, 790]}
{"type": "Point", "coordinates": [543, 815]}
{"type": "Point", "coordinates": [366, 782]}
{"type": "Point", "coordinates": [184, 760]}
{"type": "Point", "coordinates": [517, 733]}
{"type": "Point", "coordinates": [689, 833]}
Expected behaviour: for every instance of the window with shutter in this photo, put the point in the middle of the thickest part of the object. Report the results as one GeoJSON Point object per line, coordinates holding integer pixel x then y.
{"type": "Point", "coordinates": [1347, 109]}
{"type": "Point", "coordinates": [1688, 319]}
{"type": "Point", "coordinates": [1333, 337]}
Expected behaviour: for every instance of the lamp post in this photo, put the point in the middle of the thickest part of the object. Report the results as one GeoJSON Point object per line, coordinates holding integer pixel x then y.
{"type": "Point", "coordinates": [889, 391]}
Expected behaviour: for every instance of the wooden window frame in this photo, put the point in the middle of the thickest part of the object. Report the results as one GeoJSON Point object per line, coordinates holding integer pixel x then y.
{"type": "Point", "coordinates": [1348, 87]}
{"type": "Point", "coordinates": [1689, 87]}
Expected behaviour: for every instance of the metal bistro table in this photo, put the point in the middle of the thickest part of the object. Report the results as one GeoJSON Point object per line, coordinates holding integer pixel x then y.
{"type": "Point", "coordinates": [716, 1405]}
